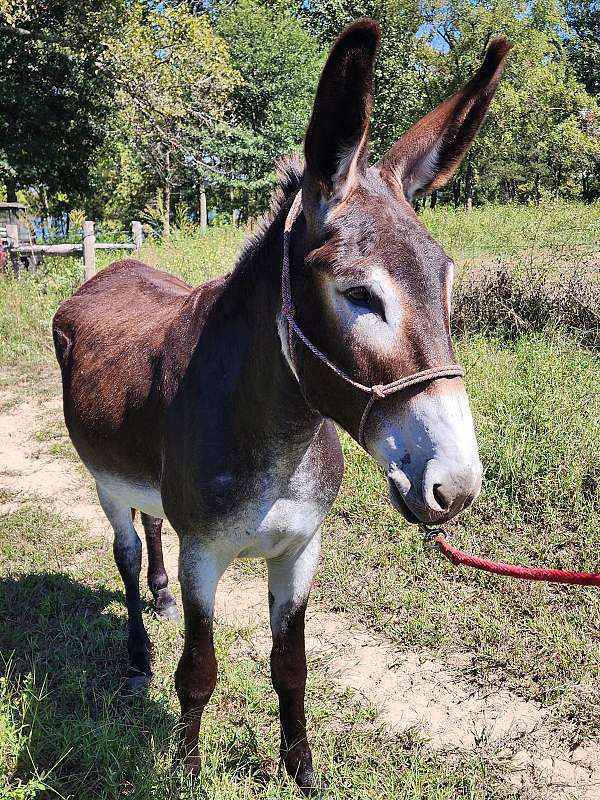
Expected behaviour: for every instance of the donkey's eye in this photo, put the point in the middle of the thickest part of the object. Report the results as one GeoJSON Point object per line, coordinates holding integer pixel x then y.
{"type": "Point", "coordinates": [358, 295]}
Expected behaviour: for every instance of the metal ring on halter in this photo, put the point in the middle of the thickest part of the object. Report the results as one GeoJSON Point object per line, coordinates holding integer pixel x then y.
{"type": "Point", "coordinates": [378, 391]}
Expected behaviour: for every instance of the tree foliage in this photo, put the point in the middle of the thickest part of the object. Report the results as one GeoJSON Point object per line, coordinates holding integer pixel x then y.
{"type": "Point", "coordinates": [54, 100]}
{"type": "Point", "coordinates": [279, 62]}
{"type": "Point", "coordinates": [107, 103]}
{"type": "Point", "coordinates": [174, 79]}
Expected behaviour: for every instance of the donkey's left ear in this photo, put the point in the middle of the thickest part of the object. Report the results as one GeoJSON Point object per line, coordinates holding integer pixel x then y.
{"type": "Point", "coordinates": [430, 152]}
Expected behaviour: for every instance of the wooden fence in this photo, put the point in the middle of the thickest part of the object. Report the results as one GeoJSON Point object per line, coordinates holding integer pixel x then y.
{"type": "Point", "coordinates": [19, 251]}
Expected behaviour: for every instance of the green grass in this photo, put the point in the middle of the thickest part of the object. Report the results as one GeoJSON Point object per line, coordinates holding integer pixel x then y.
{"type": "Point", "coordinates": [196, 257]}
{"type": "Point", "coordinates": [559, 226]}
{"type": "Point", "coordinates": [66, 727]}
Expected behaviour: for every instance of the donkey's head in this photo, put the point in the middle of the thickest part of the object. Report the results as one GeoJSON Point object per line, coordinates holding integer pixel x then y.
{"type": "Point", "coordinates": [374, 292]}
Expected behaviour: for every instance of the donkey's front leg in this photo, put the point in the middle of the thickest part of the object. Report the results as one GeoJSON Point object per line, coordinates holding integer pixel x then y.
{"type": "Point", "coordinates": [290, 579]}
{"type": "Point", "coordinates": [195, 678]}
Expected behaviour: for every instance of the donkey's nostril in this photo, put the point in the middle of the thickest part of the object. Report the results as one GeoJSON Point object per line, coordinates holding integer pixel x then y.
{"type": "Point", "coordinates": [443, 500]}
{"type": "Point", "coordinates": [448, 487]}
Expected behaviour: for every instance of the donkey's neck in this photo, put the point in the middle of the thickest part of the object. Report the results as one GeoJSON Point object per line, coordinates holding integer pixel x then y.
{"type": "Point", "coordinates": [264, 398]}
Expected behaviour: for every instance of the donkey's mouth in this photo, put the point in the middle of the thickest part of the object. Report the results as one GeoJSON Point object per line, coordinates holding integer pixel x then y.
{"type": "Point", "coordinates": [399, 503]}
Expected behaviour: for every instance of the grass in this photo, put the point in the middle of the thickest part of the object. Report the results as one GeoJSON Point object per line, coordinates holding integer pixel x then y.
{"type": "Point", "coordinates": [535, 393]}
{"type": "Point", "coordinates": [555, 225]}
{"type": "Point", "coordinates": [67, 729]}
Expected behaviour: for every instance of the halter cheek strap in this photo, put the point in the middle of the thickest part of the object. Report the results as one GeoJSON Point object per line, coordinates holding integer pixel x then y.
{"type": "Point", "coordinates": [378, 391]}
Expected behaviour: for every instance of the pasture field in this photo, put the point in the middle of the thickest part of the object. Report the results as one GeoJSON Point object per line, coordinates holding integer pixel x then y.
{"type": "Point", "coordinates": [533, 377]}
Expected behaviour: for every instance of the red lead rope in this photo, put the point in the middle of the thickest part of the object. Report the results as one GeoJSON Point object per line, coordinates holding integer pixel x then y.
{"type": "Point", "coordinates": [436, 538]}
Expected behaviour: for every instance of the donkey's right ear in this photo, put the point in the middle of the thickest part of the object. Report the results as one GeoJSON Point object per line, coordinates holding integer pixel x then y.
{"type": "Point", "coordinates": [335, 146]}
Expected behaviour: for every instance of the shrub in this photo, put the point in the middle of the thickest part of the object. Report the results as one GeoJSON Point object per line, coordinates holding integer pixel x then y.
{"type": "Point", "coordinates": [512, 303]}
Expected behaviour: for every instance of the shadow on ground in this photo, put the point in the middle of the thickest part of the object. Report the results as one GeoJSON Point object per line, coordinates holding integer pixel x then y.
{"type": "Point", "coordinates": [63, 652]}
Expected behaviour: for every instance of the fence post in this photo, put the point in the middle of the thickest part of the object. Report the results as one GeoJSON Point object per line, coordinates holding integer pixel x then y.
{"type": "Point", "coordinates": [203, 214]}
{"type": "Point", "coordinates": [137, 235]}
{"type": "Point", "coordinates": [12, 235]}
{"type": "Point", "coordinates": [89, 249]}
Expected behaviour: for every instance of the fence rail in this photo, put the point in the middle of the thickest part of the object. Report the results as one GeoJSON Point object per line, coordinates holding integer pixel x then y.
{"type": "Point", "coordinates": [86, 249]}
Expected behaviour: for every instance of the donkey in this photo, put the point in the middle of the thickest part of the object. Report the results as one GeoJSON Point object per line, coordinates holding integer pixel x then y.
{"type": "Point", "coordinates": [214, 407]}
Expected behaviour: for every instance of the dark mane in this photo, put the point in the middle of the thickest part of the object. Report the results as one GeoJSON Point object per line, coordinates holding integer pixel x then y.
{"type": "Point", "coordinates": [290, 172]}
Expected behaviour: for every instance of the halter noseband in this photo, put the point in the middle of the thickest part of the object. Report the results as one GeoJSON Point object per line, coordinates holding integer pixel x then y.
{"type": "Point", "coordinates": [379, 390]}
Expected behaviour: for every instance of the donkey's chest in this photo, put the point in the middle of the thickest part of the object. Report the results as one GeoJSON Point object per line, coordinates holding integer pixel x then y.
{"type": "Point", "coordinates": [275, 513]}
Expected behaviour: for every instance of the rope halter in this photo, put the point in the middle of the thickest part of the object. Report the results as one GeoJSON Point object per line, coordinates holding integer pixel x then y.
{"type": "Point", "coordinates": [379, 390]}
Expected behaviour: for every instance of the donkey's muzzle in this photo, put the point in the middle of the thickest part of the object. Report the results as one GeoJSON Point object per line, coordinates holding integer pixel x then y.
{"type": "Point", "coordinates": [446, 490]}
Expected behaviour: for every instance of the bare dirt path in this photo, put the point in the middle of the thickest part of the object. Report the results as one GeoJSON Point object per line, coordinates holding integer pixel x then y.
{"type": "Point", "coordinates": [408, 688]}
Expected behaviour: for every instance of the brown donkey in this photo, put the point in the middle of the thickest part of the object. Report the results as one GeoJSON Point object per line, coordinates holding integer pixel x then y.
{"type": "Point", "coordinates": [213, 407]}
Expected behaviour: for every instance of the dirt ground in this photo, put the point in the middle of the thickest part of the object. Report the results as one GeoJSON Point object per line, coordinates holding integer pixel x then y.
{"type": "Point", "coordinates": [407, 688]}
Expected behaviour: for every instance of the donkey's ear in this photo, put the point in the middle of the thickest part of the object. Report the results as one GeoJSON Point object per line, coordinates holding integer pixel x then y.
{"type": "Point", "coordinates": [430, 152]}
{"type": "Point", "coordinates": [335, 146]}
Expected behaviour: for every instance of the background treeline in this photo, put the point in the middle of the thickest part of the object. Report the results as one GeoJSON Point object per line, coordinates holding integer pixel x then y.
{"type": "Point", "coordinates": [129, 108]}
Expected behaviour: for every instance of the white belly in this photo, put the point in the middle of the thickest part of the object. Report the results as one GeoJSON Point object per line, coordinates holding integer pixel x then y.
{"type": "Point", "coordinates": [261, 529]}
{"type": "Point", "coordinates": [144, 497]}
{"type": "Point", "coordinates": [275, 527]}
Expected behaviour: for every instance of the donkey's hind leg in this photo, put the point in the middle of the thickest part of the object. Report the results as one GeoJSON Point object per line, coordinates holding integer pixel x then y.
{"type": "Point", "coordinates": [158, 580]}
{"type": "Point", "coordinates": [127, 549]}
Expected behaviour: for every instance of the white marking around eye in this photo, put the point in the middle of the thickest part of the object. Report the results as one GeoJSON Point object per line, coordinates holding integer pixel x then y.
{"type": "Point", "coordinates": [365, 326]}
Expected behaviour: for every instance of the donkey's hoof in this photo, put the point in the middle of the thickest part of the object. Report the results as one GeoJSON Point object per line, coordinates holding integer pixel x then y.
{"type": "Point", "coordinates": [169, 612]}
{"type": "Point", "coordinates": [165, 606]}
{"type": "Point", "coordinates": [311, 786]}
{"type": "Point", "coordinates": [136, 683]}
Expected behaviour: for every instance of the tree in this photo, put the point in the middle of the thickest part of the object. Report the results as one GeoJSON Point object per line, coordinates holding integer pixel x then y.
{"type": "Point", "coordinates": [534, 137]}
{"type": "Point", "coordinates": [583, 45]}
{"type": "Point", "coordinates": [174, 78]}
{"type": "Point", "coordinates": [54, 100]}
{"type": "Point", "coordinates": [279, 61]}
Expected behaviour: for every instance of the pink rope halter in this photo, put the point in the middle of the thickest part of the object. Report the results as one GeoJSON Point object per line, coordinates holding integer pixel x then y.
{"type": "Point", "coordinates": [378, 391]}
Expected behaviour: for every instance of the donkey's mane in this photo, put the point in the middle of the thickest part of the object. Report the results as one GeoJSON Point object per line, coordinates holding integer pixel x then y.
{"type": "Point", "coordinates": [290, 172]}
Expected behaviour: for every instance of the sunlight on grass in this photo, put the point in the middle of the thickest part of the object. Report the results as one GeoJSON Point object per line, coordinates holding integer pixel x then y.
{"type": "Point", "coordinates": [504, 230]}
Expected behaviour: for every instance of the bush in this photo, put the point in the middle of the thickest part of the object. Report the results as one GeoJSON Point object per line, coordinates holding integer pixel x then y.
{"type": "Point", "coordinates": [512, 303]}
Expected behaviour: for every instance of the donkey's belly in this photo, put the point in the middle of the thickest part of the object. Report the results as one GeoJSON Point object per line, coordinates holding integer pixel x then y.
{"type": "Point", "coordinates": [258, 530]}
{"type": "Point", "coordinates": [268, 530]}
{"type": "Point", "coordinates": [133, 494]}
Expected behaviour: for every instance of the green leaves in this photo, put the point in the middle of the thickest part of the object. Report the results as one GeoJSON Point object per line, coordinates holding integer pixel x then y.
{"type": "Point", "coordinates": [107, 102]}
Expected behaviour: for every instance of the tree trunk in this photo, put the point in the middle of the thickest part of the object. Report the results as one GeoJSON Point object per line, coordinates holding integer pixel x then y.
{"type": "Point", "coordinates": [167, 198]}
{"type": "Point", "coordinates": [469, 187]}
{"type": "Point", "coordinates": [558, 182]}
{"type": "Point", "coordinates": [202, 212]}
{"type": "Point", "coordinates": [536, 189]}
{"type": "Point", "coordinates": [456, 192]}
{"type": "Point", "coordinates": [433, 199]}
{"type": "Point", "coordinates": [11, 190]}
{"type": "Point", "coordinates": [586, 186]}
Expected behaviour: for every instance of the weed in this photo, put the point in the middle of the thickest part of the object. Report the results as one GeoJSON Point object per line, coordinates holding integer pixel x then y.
{"type": "Point", "coordinates": [510, 303]}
